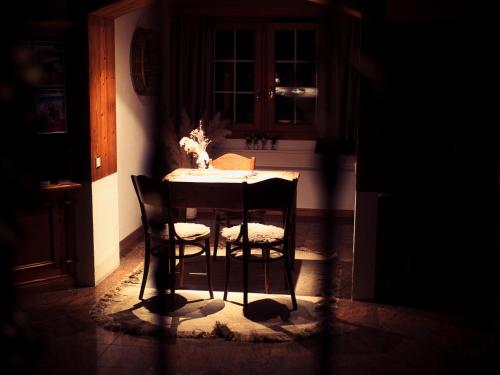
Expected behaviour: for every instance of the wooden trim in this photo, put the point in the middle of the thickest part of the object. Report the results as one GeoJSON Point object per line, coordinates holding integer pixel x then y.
{"type": "Point", "coordinates": [61, 186]}
{"type": "Point", "coordinates": [121, 8]}
{"type": "Point", "coordinates": [53, 283]}
{"type": "Point", "coordinates": [31, 266]}
{"type": "Point", "coordinates": [102, 96]}
{"type": "Point", "coordinates": [129, 241]}
{"type": "Point", "coordinates": [352, 12]}
{"type": "Point", "coordinates": [245, 8]}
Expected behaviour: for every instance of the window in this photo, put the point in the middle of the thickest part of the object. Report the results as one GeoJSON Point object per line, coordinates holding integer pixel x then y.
{"type": "Point", "coordinates": [265, 78]}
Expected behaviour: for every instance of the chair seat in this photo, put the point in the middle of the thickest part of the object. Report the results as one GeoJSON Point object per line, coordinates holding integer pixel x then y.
{"type": "Point", "coordinates": [187, 231]}
{"type": "Point", "coordinates": [257, 233]}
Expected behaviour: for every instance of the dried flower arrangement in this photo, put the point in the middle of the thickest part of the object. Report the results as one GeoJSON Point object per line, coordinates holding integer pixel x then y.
{"type": "Point", "coordinates": [197, 144]}
{"type": "Point", "coordinates": [180, 153]}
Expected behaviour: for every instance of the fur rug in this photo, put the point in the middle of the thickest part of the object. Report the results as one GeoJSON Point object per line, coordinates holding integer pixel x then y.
{"type": "Point", "coordinates": [195, 315]}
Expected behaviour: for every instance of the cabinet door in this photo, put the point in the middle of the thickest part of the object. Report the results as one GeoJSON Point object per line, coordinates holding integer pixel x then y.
{"type": "Point", "coordinates": [41, 253]}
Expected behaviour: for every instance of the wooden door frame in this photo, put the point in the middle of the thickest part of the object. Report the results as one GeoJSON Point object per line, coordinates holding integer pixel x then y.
{"type": "Point", "coordinates": [102, 85]}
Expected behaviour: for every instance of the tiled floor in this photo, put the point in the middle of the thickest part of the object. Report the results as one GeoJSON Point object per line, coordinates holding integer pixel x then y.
{"type": "Point", "coordinates": [373, 339]}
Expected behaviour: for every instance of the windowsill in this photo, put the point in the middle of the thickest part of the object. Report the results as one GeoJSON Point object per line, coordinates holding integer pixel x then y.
{"type": "Point", "coordinates": [288, 155]}
{"type": "Point", "coordinates": [281, 145]}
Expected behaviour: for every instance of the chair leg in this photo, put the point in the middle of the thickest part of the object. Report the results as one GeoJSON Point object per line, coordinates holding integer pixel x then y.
{"type": "Point", "coordinates": [172, 275]}
{"type": "Point", "coordinates": [265, 256]}
{"type": "Point", "coordinates": [228, 268]}
{"type": "Point", "coordinates": [290, 280]}
{"type": "Point", "coordinates": [209, 273]}
{"type": "Point", "coordinates": [181, 266]}
{"type": "Point", "coordinates": [147, 254]}
{"type": "Point", "coordinates": [216, 237]}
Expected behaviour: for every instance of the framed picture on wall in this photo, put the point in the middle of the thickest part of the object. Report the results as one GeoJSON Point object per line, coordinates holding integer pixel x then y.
{"type": "Point", "coordinates": [49, 56]}
{"type": "Point", "coordinates": [50, 109]}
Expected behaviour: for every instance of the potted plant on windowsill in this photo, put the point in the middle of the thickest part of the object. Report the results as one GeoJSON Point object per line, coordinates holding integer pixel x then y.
{"type": "Point", "coordinates": [274, 141]}
{"type": "Point", "coordinates": [263, 142]}
{"type": "Point", "coordinates": [256, 141]}
{"type": "Point", "coordinates": [249, 141]}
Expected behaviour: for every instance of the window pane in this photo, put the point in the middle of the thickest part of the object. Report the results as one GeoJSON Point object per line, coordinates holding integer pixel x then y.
{"type": "Point", "coordinates": [244, 76]}
{"type": "Point", "coordinates": [284, 45]}
{"type": "Point", "coordinates": [284, 110]}
{"type": "Point", "coordinates": [224, 45]}
{"type": "Point", "coordinates": [224, 77]}
{"type": "Point", "coordinates": [305, 110]}
{"type": "Point", "coordinates": [224, 105]}
{"type": "Point", "coordinates": [245, 45]}
{"type": "Point", "coordinates": [285, 74]}
{"type": "Point", "coordinates": [306, 74]}
{"type": "Point", "coordinates": [244, 108]}
{"type": "Point", "coordinates": [306, 45]}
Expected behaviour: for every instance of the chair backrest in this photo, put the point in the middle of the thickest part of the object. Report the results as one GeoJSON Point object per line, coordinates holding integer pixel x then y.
{"type": "Point", "coordinates": [153, 201]}
{"type": "Point", "coordinates": [272, 194]}
{"type": "Point", "coordinates": [234, 161]}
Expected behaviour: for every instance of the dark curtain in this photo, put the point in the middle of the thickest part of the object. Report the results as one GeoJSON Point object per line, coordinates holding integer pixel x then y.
{"type": "Point", "coordinates": [339, 78]}
{"type": "Point", "coordinates": [189, 68]}
{"type": "Point", "coordinates": [186, 59]}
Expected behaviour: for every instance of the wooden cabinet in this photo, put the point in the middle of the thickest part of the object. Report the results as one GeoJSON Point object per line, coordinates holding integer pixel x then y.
{"type": "Point", "coordinates": [46, 253]}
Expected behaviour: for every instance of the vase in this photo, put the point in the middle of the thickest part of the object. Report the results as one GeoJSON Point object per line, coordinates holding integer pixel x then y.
{"type": "Point", "coordinates": [203, 160]}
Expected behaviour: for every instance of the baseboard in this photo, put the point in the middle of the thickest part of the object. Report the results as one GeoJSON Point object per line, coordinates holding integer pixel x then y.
{"type": "Point", "coordinates": [301, 213]}
{"type": "Point", "coordinates": [314, 212]}
{"type": "Point", "coordinates": [55, 283]}
{"type": "Point", "coordinates": [127, 243]}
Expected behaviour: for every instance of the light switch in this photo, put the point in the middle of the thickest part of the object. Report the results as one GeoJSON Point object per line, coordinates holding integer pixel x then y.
{"type": "Point", "coordinates": [97, 161]}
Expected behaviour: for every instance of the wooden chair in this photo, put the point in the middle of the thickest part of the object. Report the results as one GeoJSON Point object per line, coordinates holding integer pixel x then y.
{"type": "Point", "coordinates": [163, 236]}
{"type": "Point", "coordinates": [255, 242]}
{"type": "Point", "coordinates": [232, 161]}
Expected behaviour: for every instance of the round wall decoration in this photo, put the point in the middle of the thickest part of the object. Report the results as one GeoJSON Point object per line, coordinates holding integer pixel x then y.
{"type": "Point", "coordinates": [144, 62]}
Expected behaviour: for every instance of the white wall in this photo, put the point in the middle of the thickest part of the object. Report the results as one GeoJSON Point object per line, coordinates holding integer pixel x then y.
{"type": "Point", "coordinates": [115, 211]}
{"type": "Point", "coordinates": [300, 156]}
{"type": "Point", "coordinates": [105, 226]}
{"type": "Point", "coordinates": [133, 122]}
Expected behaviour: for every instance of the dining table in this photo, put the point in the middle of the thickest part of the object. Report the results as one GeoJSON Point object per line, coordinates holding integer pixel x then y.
{"type": "Point", "coordinates": [221, 189]}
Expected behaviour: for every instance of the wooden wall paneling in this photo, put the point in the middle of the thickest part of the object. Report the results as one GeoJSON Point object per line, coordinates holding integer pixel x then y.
{"type": "Point", "coordinates": [94, 88]}
{"type": "Point", "coordinates": [102, 83]}
{"type": "Point", "coordinates": [102, 96]}
{"type": "Point", "coordinates": [110, 103]}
